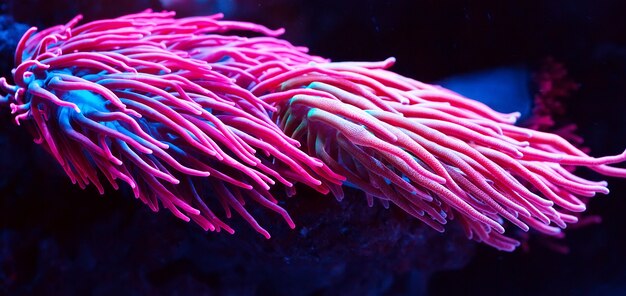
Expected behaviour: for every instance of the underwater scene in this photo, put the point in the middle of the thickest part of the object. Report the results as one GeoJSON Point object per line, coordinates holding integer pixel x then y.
{"type": "Point", "coordinates": [239, 147]}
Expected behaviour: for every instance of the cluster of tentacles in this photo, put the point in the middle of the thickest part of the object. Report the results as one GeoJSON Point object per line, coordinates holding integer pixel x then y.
{"type": "Point", "coordinates": [193, 117]}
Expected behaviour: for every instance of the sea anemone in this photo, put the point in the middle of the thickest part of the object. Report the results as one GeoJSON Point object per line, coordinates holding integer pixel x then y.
{"type": "Point", "coordinates": [191, 116]}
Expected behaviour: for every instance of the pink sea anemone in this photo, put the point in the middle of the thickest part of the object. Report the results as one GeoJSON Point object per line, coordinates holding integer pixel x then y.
{"type": "Point", "coordinates": [107, 96]}
{"type": "Point", "coordinates": [192, 116]}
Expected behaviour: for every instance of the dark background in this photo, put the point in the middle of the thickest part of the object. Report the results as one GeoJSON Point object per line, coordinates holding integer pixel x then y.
{"type": "Point", "coordinates": [56, 238]}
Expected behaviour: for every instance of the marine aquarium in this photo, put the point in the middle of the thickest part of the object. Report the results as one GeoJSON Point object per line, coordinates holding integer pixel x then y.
{"type": "Point", "coordinates": [312, 148]}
